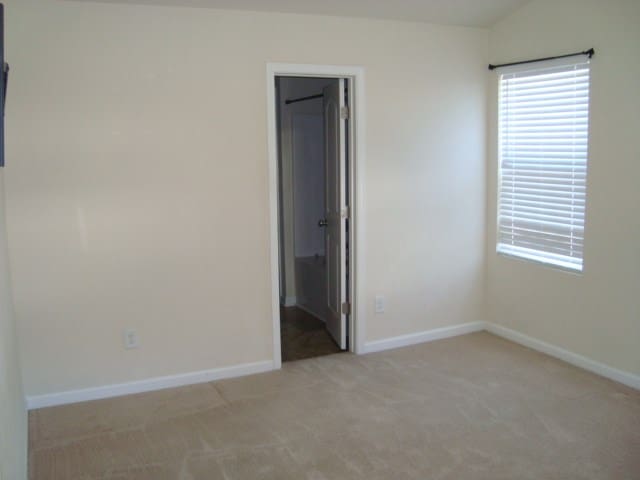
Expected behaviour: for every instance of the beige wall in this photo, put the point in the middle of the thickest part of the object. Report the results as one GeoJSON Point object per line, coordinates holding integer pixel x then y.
{"type": "Point", "coordinates": [596, 314]}
{"type": "Point", "coordinates": [13, 417]}
{"type": "Point", "coordinates": [137, 190]}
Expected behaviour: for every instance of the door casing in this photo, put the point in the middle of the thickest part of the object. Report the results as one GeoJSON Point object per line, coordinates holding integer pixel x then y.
{"type": "Point", "coordinates": [356, 154]}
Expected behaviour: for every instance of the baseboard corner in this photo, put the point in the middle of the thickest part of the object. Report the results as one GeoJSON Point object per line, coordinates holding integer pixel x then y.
{"type": "Point", "coordinates": [288, 301]}
{"type": "Point", "coordinates": [627, 378]}
{"type": "Point", "coordinates": [423, 337]}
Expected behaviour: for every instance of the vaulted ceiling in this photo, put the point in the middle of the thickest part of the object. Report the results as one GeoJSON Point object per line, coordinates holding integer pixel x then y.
{"type": "Point", "coordinates": [472, 13]}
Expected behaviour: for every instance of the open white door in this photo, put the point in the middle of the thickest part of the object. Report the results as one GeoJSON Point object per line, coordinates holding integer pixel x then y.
{"type": "Point", "coordinates": [335, 211]}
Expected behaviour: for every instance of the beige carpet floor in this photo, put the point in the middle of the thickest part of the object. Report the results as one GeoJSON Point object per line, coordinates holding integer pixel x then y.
{"type": "Point", "coordinates": [471, 407]}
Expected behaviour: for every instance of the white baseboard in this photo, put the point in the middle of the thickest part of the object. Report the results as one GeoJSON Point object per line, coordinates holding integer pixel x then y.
{"type": "Point", "coordinates": [147, 385]}
{"type": "Point", "coordinates": [288, 301]}
{"type": "Point", "coordinates": [159, 383]}
{"type": "Point", "coordinates": [311, 312]}
{"type": "Point", "coordinates": [580, 361]}
{"type": "Point", "coordinates": [422, 337]}
{"type": "Point", "coordinates": [601, 369]}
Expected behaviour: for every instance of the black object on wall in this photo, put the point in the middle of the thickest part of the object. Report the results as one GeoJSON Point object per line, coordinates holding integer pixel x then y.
{"type": "Point", "coordinates": [3, 84]}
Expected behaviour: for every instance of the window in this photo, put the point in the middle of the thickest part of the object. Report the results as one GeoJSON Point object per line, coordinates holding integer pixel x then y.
{"type": "Point", "coordinates": [543, 137]}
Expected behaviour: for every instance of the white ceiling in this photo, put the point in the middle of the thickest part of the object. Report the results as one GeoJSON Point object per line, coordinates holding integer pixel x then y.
{"type": "Point", "coordinates": [472, 13]}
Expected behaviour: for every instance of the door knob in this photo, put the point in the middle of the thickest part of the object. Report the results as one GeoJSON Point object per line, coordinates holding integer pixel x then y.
{"type": "Point", "coordinates": [322, 222]}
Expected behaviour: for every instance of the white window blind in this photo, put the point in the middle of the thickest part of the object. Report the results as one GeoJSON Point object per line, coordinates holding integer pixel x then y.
{"type": "Point", "coordinates": [543, 137]}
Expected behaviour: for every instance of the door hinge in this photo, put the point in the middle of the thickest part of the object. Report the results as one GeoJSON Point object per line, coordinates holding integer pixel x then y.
{"type": "Point", "coordinates": [346, 308]}
{"type": "Point", "coordinates": [344, 113]}
{"type": "Point", "coordinates": [346, 212]}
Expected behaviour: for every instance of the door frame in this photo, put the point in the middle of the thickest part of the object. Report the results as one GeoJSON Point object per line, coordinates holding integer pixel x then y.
{"type": "Point", "coordinates": [356, 135]}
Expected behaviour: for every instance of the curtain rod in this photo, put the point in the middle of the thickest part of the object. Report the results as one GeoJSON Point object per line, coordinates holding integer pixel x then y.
{"type": "Point", "coordinates": [589, 53]}
{"type": "Point", "coordinates": [302, 99]}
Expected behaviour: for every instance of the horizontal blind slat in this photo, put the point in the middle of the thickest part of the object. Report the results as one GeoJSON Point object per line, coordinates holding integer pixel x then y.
{"type": "Point", "coordinates": [542, 236]}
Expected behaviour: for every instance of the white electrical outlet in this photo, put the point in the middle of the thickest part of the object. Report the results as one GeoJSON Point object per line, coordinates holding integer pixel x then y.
{"type": "Point", "coordinates": [131, 339]}
{"type": "Point", "coordinates": [381, 303]}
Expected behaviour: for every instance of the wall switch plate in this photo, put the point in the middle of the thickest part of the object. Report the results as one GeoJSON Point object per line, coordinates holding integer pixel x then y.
{"type": "Point", "coordinates": [130, 339]}
{"type": "Point", "coordinates": [381, 303]}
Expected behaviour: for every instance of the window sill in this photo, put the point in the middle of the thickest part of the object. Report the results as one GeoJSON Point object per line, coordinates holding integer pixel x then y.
{"type": "Point", "coordinates": [554, 265]}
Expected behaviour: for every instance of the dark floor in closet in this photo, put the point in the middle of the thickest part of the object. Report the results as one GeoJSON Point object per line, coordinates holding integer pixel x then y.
{"type": "Point", "coordinates": [303, 335]}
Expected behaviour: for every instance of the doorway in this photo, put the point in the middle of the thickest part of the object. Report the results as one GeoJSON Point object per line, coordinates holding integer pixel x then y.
{"type": "Point", "coordinates": [313, 157]}
{"type": "Point", "coordinates": [320, 277]}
